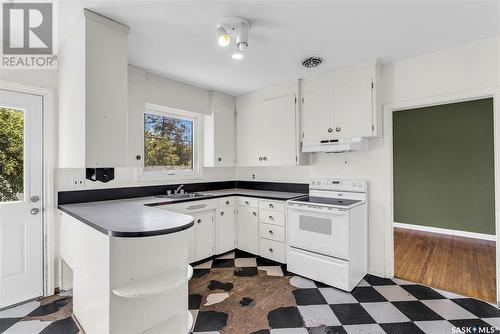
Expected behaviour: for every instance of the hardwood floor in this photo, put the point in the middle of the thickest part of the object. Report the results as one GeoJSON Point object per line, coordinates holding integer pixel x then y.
{"type": "Point", "coordinates": [462, 265]}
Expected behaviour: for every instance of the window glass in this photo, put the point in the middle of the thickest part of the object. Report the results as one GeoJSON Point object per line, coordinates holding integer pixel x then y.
{"type": "Point", "coordinates": [168, 142]}
{"type": "Point", "coordinates": [11, 155]}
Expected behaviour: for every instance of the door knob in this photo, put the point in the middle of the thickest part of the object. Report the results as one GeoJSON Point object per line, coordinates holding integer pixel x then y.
{"type": "Point", "coordinates": [338, 129]}
{"type": "Point", "coordinates": [330, 129]}
{"type": "Point", "coordinates": [34, 211]}
{"type": "Point", "coordinates": [34, 198]}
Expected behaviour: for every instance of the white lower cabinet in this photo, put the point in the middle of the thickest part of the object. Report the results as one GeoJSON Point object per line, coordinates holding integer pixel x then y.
{"type": "Point", "coordinates": [249, 224]}
{"type": "Point", "coordinates": [226, 229]}
{"type": "Point", "coordinates": [272, 230]}
{"type": "Point", "coordinates": [204, 235]}
{"type": "Point", "coordinates": [248, 229]}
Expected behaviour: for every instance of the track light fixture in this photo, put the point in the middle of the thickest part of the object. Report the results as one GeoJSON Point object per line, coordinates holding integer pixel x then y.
{"type": "Point", "coordinates": [237, 28]}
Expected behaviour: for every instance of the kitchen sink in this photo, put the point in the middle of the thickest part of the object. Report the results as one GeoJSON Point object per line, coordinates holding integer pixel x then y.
{"type": "Point", "coordinates": [181, 196]}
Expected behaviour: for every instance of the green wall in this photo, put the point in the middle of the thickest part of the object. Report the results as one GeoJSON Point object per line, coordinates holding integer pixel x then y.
{"type": "Point", "coordinates": [443, 166]}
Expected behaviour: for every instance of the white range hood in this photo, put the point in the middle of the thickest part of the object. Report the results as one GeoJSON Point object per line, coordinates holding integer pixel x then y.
{"type": "Point", "coordinates": [335, 145]}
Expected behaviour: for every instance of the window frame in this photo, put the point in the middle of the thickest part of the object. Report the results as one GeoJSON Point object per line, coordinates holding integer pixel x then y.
{"type": "Point", "coordinates": [146, 174]}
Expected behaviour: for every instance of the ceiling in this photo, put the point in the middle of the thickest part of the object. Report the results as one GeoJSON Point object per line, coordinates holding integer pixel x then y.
{"type": "Point", "coordinates": [176, 39]}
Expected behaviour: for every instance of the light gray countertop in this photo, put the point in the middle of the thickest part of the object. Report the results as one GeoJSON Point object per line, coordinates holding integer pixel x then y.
{"type": "Point", "coordinates": [138, 217]}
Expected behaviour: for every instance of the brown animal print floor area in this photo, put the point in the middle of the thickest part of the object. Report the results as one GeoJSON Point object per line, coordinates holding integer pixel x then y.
{"type": "Point", "coordinates": [249, 298]}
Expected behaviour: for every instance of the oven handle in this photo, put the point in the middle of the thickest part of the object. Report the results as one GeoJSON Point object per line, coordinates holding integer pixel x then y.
{"type": "Point", "coordinates": [334, 211]}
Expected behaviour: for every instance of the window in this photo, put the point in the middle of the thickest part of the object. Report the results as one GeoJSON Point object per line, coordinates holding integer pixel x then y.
{"type": "Point", "coordinates": [170, 143]}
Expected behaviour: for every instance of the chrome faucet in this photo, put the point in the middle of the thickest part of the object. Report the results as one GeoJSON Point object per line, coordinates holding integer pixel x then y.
{"type": "Point", "coordinates": [176, 191]}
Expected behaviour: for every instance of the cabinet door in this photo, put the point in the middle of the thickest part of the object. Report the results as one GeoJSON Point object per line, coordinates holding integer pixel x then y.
{"type": "Point", "coordinates": [266, 133]}
{"type": "Point", "coordinates": [277, 122]}
{"type": "Point", "coordinates": [248, 230]}
{"type": "Point", "coordinates": [192, 244]}
{"type": "Point", "coordinates": [226, 229]}
{"type": "Point", "coordinates": [204, 235]}
{"type": "Point", "coordinates": [317, 114]}
{"type": "Point", "coordinates": [224, 136]}
{"type": "Point", "coordinates": [353, 109]}
{"type": "Point", "coordinates": [248, 136]}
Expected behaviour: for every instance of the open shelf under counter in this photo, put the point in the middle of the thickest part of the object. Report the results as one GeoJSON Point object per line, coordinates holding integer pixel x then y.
{"type": "Point", "coordinates": [182, 322]}
{"type": "Point", "coordinates": [155, 284]}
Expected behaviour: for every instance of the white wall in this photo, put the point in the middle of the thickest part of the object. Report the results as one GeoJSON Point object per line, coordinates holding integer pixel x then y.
{"type": "Point", "coordinates": [464, 68]}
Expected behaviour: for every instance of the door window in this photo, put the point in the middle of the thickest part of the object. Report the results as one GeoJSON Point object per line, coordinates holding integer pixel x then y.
{"type": "Point", "coordinates": [11, 155]}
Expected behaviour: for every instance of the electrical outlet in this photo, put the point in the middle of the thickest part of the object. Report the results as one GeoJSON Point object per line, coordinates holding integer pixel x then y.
{"type": "Point", "coordinates": [77, 182]}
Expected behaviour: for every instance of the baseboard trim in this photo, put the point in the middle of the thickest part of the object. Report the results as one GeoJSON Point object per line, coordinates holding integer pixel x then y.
{"type": "Point", "coordinates": [464, 234]}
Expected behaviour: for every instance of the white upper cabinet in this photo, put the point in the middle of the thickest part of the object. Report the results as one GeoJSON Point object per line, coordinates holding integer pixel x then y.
{"type": "Point", "coordinates": [317, 113]}
{"type": "Point", "coordinates": [93, 94]}
{"type": "Point", "coordinates": [219, 132]}
{"type": "Point", "coordinates": [353, 109]}
{"type": "Point", "coordinates": [267, 127]}
{"type": "Point", "coordinates": [341, 104]}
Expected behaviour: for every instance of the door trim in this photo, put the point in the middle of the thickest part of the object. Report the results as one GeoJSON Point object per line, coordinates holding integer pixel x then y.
{"type": "Point", "coordinates": [388, 109]}
{"type": "Point", "coordinates": [49, 163]}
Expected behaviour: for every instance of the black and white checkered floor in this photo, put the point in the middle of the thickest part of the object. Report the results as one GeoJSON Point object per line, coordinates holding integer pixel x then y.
{"type": "Point", "coordinates": [376, 305]}
{"type": "Point", "coordinates": [227, 289]}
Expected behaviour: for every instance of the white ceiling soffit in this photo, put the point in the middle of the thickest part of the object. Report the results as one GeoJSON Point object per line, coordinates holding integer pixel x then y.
{"type": "Point", "coordinates": [177, 39]}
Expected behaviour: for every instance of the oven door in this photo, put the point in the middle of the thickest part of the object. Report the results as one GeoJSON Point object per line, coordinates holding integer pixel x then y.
{"type": "Point", "coordinates": [321, 230]}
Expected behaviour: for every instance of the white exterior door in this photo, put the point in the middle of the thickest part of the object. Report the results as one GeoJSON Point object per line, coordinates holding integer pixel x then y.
{"type": "Point", "coordinates": [20, 197]}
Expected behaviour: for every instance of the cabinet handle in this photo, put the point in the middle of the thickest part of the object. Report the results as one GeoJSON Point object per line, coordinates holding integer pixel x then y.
{"type": "Point", "coordinates": [330, 129]}
{"type": "Point", "coordinates": [198, 221]}
{"type": "Point", "coordinates": [271, 218]}
{"type": "Point", "coordinates": [246, 203]}
{"type": "Point", "coordinates": [260, 158]}
{"type": "Point", "coordinates": [270, 250]}
{"type": "Point", "coordinates": [220, 159]}
{"type": "Point", "coordinates": [254, 213]}
{"type": "Point", "coordinates": [271, 232]}
{"type": "Point", "coordinates": [265, 158]}
{"type": "Point", "coordinates": [338, 129]}
{"type": "Point", "coordinates": [222, 213]}
{"type": "Point", "coordinates": [227, 202]}
{"type": "Point", "coordinates": [271, 206]}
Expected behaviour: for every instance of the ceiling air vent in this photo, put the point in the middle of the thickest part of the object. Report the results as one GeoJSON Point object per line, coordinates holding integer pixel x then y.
{"type": "Point", "coordinates": [311, 62]}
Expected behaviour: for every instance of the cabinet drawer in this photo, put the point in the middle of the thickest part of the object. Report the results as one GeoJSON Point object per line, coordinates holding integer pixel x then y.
{"type": "Point", "coordinates": [227, 201]}
{"type": "Point", "coordinates": [248, 201]}
{"type": "Point", "coordinates": [272, 217]}
{"type": "Point", "coordinates": [272, 205]}
{"type": "Point", "coordinates": [273, 250]}
{"type": "Point", "coordinates": [190, 207]}
{"type": "Point", "coordinates": [272, 232]}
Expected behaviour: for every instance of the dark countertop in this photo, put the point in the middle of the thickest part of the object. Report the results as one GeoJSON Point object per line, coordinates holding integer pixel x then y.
{"type": "Point", "coordinates": [137, 217]}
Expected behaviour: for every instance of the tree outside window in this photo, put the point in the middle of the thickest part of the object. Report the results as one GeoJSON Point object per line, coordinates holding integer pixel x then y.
{"type": "Point", "coordinates": [11, 154]}
{"type": "Point", "coordinates": [168, 142]}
